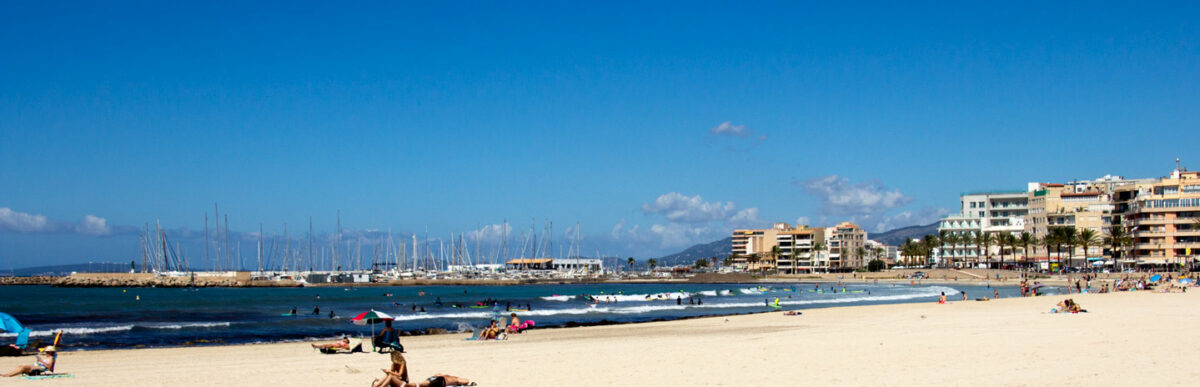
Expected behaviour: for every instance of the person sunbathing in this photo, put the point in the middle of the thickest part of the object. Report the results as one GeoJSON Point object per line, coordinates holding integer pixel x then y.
{"type": "Point", "coordinates": [43, 363]}
{"type": "Point", "coordinates": [491, 332]}
{"type": "Point", "coordinates": [515, 326]}
{"type": "Point", "coordinates": [344, 344]}
{"type": "Point", "coordinates": [397, 376]}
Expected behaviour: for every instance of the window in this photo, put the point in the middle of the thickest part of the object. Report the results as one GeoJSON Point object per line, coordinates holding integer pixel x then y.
{"type": "Point", "coordinates": [972, 204]}
{"type": "Point", "coordinates": [981, 214]}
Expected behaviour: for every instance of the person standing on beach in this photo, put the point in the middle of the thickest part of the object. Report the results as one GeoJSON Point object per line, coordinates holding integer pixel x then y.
{"type": "Point", "coordinates": [942, 298]}
{"type": "Point", "coordinates": [964, 296]}
{"type": "Point", "coordinates": [995, 294]}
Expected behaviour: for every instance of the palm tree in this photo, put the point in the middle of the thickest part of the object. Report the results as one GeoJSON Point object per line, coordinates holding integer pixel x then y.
{"type": "Point", "coordinates": [952, 240]}
{"type": "Point", "coordinates": [1025, 240]}
{"type": "Point", "coordinates": [1117, 239]}
{"type": "Point", "coordinates": [775, 251]}
{"type": "Point", "coordinates": [753, 259]}
{"type": "Point", "coordinates": [1048, 240]}
{"type": "Point", "coordinates": [652, 263]}
{"type": "Point", "coordinates": [908, 250]}
{"type": "Point", "coordinates": [1070, 237]}
{"type": "Point", "coordinates": [817, 248]}
{"type": "Point", "coordinates": [1087, 238]}
{"type": "Point", "coordinates": [942, 239]}
{"type": "Point", "coordinates": [630, 261]}
{"type": "Point", "coordinates": [1006, 240]}
{"type": "Point", "coordinates": [984, 240]}
{"type": "Point", "coordinates": [928, 244]}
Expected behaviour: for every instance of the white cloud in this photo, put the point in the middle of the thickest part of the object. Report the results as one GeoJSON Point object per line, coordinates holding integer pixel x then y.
{"type": "Point", "coordinates": [746, 218]}
{"type": "Point", "coordinates": [93, 225]}
{"type": "Point", "coordinates": [678, 235]}
{"type": "Point", "coordinates": [803, 220]}
{"type": "Point", "coordinates": [840, 197]}
{"type": "Point", "coordinates": [729, 129]}
{"type": "Point", "coordinates": [22, 222]}
{"type": "Point", "coordinates": [684, 221]}
{"type": "Point", "coordinates": [491, 232]}
{"type": "Point", "coordinates": [676, 207]}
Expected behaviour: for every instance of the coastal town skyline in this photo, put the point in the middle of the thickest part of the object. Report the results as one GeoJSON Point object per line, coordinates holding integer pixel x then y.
{"type": "Point", "coordinates": [652, 132]}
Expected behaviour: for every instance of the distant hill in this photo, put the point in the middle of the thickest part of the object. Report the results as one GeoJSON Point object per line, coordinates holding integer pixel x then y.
{"type": "Point", "coordinates": [720, 249]}
{"type": "Point", "coordinates": [97, 267]}
{"type": "Point", "coordinates": [898, 236]}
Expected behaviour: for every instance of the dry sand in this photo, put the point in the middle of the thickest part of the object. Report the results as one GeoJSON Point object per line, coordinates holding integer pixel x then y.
{"type": "Point", "coordinates": [1144, 338]}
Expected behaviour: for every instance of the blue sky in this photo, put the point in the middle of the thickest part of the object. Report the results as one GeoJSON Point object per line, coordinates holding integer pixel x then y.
{"type": "Point", "coordinates": [654, 126]}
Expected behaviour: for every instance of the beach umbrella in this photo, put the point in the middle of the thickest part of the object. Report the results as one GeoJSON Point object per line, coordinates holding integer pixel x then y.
{"type": "Point", "coordinates": [1155, 278]}
{"type": "Point", "coordinates": [10, 324]}
{"type": "Point", "coordinates": [1185, 280]}
{"type": "Point", "coordinates": [371, 317]}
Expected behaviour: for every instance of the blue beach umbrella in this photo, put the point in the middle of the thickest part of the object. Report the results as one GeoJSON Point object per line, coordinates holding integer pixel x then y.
{"type": "Point", "coordinates": [1155, 278]}
{"type": "Point", "coordinates": [10, 324]}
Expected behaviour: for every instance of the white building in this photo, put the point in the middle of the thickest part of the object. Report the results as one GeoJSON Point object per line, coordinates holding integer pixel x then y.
{"type": "Point", "coordinates": [982, 212]}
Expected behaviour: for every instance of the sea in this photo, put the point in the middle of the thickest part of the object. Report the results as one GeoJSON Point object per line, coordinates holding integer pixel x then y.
{"type": "Point", "coordinates": [113, 318]}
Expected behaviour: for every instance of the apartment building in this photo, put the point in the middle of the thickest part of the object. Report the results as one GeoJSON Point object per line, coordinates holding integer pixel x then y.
{"type": "Point", "coordinates": [1162, 218]}
{"type": "Point", "coordinates": [758, 243]}
{"type": "Point", "coordinates": [797, 250]}
{"type": "Point", "coordinates": [847, 246]}
{"type": "Point", "coordinates": [982, 212]}
{"type": "Point", "coordinates": [1081, 205]}
{"type": "Point", "coordinates": [797, 253]}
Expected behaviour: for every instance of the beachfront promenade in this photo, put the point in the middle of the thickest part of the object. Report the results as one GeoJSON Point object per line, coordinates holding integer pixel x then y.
{"type": "Point", "coordinates": [1133, 337]}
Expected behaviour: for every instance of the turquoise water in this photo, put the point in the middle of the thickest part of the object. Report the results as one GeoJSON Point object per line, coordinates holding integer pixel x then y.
{"type": "Point", "coordinates": [122, 318]}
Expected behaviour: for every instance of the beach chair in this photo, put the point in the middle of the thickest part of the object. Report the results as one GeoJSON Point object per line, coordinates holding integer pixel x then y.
{"type": "Point", "coordinates": [389, 342]}
{"type": "Point", "coordinates": [475, 335]}
{"type": "Point", "coordinates": [355, 346]}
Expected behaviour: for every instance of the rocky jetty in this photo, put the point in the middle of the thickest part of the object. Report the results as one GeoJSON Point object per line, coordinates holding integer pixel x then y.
{"type": "Point", "coordinates": [35, 280]}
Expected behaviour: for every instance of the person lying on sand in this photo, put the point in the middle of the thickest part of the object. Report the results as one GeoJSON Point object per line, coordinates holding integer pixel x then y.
{"type": "Point", "coordinates": [792, 313]}
{"type": "Point", "coordinates": [43, 363]}
{"type": "Point", "coordinates": [344, 344]}
{"type": "Point", "coordinates": [1069, 306]}
{"type": "Point", "coordinates": [397, 376]}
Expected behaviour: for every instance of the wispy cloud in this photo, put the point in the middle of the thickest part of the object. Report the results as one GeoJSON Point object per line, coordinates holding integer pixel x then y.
{"type": "Point", "coordinates": [727, 128]}
{"type": "Point", "coordinates": [868, 203]}
{"type": "Point", "coordinates": [682, 220]}
{"type": "Point", "coordinates": [677, 207]}
{"type": "Point", "coordinates": [840, 197]}
{"type": "Point", "coordinates": [22, 222]}
{"type": "Point", "coordinates": [93, 225]}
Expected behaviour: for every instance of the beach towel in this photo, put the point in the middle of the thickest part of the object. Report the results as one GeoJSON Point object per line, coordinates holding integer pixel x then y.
{"type": "Point", "coordinates": [50, 376]}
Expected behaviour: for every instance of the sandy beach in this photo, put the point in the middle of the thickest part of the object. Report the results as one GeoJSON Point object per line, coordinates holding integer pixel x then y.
{"type": "Point", "coordinates": [1143, 337]}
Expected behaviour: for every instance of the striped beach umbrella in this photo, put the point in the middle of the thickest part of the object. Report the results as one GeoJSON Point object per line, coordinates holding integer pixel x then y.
{"type": "Point", "coordinates": [371, 317]}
